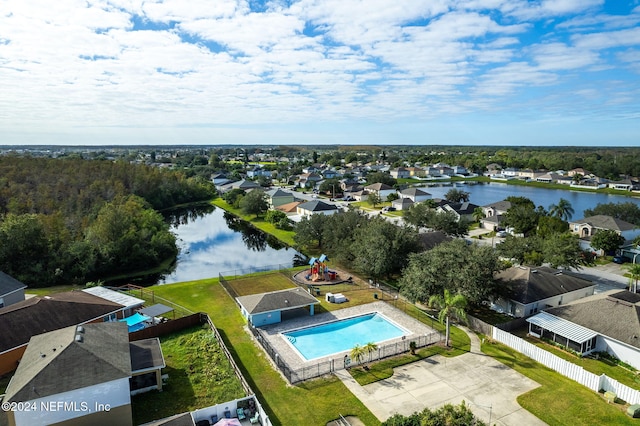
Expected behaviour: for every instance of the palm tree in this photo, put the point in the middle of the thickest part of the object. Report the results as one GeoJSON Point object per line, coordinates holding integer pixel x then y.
{"type": "Point", "coordinates": [357, 353]}
{"type": "Point", "coordinates": [634, 270]}
{"type": "Point", "coordinates": [478, 214]}
{"type": "Point", "coordinates": [370, 348]}
{"type": "Point", "coordinates": [562, 210]}
{"type": "Point", "coordinates": [451, 306]}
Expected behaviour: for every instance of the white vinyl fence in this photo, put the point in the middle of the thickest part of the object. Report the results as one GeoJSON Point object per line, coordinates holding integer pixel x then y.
{"type": "Point", "coordinates": [566, 368]}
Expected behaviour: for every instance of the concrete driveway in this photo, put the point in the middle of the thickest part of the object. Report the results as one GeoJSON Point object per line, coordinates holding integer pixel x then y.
{"type": "Point", "coordinates": [489, 388]}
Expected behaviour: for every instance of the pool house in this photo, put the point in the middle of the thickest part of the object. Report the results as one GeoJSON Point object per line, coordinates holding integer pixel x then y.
{"type": "Point", "coordinates": [269, 308]}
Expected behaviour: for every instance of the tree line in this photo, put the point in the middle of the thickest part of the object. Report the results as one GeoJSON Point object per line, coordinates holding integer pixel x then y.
{"type": "Point", "coordinates": [70, 220]}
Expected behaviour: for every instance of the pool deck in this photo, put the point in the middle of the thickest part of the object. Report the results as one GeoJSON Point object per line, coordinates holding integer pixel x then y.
{"type": "Point", "coordinates": [273, 333]}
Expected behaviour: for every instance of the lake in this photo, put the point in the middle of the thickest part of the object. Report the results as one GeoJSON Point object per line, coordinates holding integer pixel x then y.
{"type": "Point", "coordinates": [213, 241]}
{"type": "Point", "coordinates": [491, 192]}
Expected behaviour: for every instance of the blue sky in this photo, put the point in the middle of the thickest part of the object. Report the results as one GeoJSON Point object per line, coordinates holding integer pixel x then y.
{"type": "Point", "coordinates": [463, 72]}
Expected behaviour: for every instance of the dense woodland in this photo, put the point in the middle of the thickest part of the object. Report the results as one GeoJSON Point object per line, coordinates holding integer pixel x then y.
{"type": "Point", "coordinates": [71, 220]}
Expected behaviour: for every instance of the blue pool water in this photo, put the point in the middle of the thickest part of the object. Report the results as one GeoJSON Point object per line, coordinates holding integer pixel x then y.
{"type": "Point", "coordinates": [343, 335]}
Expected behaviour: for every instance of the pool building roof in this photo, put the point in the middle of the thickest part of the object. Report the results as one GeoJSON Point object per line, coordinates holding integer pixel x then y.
{"type": "Point", "coordinates": [281, 300]}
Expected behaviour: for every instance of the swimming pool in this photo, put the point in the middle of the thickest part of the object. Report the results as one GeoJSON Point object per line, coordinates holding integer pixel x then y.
{"type": "Point", "coordinates": [342, 335]}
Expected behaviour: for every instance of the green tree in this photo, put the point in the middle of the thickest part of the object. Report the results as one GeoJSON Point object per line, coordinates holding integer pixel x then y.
{"type": "Point", "coordinates": [634, 271]}
{"type": "Point", "coordinates": [523, 218]}
{"type": "Point", "coordinates": [381, 248]}
{"type": "Point", "coordinates": [455, 266]}
{"type": "Point", "coordinates": [370, 348]}
{"type": "Point", "coordinates": [373, 199]}
{"type": "Point", "coordinates": [358, 353]}
{"type": "Point", "coordinates": [331, 186]}
{"type": "Point", "coordinates": [549, 225]}
{"type": "Point", "coordinates": [393, 196]}
{"type": "Point", "coordinates": [518, 248]}
{"type": "Point", "coordinates": [233, 197]}
{"type": "Point", "coordinates": [562, 250]}
{"type": "Point", "coordinates": [447, 415]}
{"type": "Point", "coordinates": [607, 240]}
{"type": "Point", "coordinates": [310, 231]}
{"type": "Point", "coordinates": [255, 202]}
{"type": "Point", "coordinates": [275, 216]}
{"type": "Point", "coordinates": [562, 210]}
{"type": "Point", "coordinates": [455, 195]}
{"type": "Point", "coordinates": [381, 177]}
{"type": "Point", "coordinates": [416, 215]}
{"type": "Point", "coordinates": [478, 214]}
{"type": "Point", "coordinates": [450, 306]}
{"type": "Point", "coordinates": [24, 249]}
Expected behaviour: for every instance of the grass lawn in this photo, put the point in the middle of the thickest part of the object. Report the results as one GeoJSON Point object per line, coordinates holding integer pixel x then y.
{"type": "Point", "coordinates": [559, 400]}
{"type": "Point", "coordinates": [596, 366]}
{"type": "Point", "coordinates": [199, 376]}
{"type": "Point", "coordinates": [260, 284]}
{"type": "Point", "coordinates": [284, 236]}
{"type": "Point", "coordinates": [314, 402]}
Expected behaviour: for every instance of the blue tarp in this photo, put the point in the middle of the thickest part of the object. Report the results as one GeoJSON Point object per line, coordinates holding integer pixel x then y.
{"type": "Point", "coordinates": [312, 261]}
{"type": "Point", "coordinates": [135, 319]}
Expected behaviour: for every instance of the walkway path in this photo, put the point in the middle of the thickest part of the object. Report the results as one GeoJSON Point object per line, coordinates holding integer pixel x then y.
{"type": "Point", "coordinates": [489, 387]}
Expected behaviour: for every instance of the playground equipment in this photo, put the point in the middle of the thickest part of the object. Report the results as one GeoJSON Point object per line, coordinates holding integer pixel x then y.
{"type": "Point", "coordinates": [320, 270]}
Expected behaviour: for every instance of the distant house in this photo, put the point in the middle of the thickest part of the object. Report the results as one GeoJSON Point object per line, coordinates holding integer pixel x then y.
{"type": "Point", "coordinates": [416, 195]}
{"type": "Point", "coordinates": [589, 226]}
{"type": "Point", "coordinates": [403, 203]}
{"type": "Point", "coordinates": [460, 210]}
{"type": "Point", "coordinates": [316, 207]}
{"type": "Point", "coordinates": [267, 308]}
{"type": "Point", "coordinates": [578, 171]}
{"type": "Point", "coordinates": [416, 172]}
{"type": "Point", "coordinates": [41, 314]}
{"type": "Point", "coordinates": [277, 197]}
{"type": "Point", "coordinates": [548, 178]}
{"type": "Point", "coordinates": [606, 322]}
{"type": "Point", "coordinates": [258, 171]}
{"type": "Point", "coordinates": [220, 179]}
{"type": "Point", "coordinates": [83, 374]}
{"type": "Point", "coordinates": [622, 185]}
{"type": "Point", "coordinates": [400, 173]}
{"type": "Point", "coordinates": [11, 290]}
{"type": "Point", "coordinates": [493, 214]}
{"type": "Point", "coordinates": [289, 207]}
{"type": "Point", "coordinates": [526, 291]}
{"type": "Point", "coordinates": [382, 189]}
{"type": "Point", "coordinates": [245, 185]}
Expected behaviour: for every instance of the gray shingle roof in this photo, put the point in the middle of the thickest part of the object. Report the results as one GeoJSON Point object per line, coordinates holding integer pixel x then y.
{"type": "Point", "coordinates": [606, 222]}
{"type": "Point", "coordinates": [609, 313]}
{"type": "Point", "coordinates": [38, 315]}
{"type": "Point", "coordinates": [8, 284]}
{"type": "Point", "coordinates": [317, 206]}
{"type": "Point", "coordinates": [528, 285]}
{"type": "Point", "coordinates": [414, 192]}
{"type": "Point", "coordinates": [57, 362]}
{"type": "Point", "coordinates": [277, 300]}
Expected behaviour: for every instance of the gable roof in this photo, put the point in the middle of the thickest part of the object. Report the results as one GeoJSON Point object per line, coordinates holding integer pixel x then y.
{"type": "Point", "coordinates": [274, 193]}
{"type": "Point", "coordinates": [58, 361]}
{"type": "Point", "coordinates": [317, 206]}
{"type": "Point", "coordinates": [289, 207]}
{"type": "Point", "coordinates": [8, 284]}
{"type": "Point", "coordinates": [606, 222]}
{"type": "Point", "coordinates": [277, 300]}
{"type": "Point", "coordinates": [416, 192]}
{"type": "Point", "coordinates": [529, 285]}
{"type": "Point", "coordinates": [118, 297]}
{"type": "Point", "coordinates": [379, 186]}
{"type": "Point", "coordinates": [42, 314]}
{"type": "Point", "coordinates": [499, 205]}
{"type": "Point", "coordinates": [613, 313]}
{"type": "Point", "coordinates": [465, 208]}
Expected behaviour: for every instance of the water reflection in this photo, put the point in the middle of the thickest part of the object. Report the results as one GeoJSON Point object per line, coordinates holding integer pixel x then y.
{"type": "Point", "coordinates": [213, 241]}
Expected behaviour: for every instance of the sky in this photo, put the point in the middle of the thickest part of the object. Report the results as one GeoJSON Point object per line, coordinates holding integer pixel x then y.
{"type": "Point", "coordinates": [313, 72]}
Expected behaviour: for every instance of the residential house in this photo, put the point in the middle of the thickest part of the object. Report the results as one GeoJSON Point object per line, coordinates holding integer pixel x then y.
{"type": "Point", "coordinates": [41, 314]}
{"type": "Point", "coordinates": [308, 180]}
{"type": "Point", "coordinates": [400, 173]}
{"type": "Point", "coordinates": [81, 375]}
{"type": "Point", "coordinates": [316, 207]}
{"type": "Point", "coordinates": [245, 185]}
{"type": "Point", "coordinates": [277, 197]}
{"type": "Point", "coordinates": [621, 185]}
{"type": "Point", "coordinates": [11, 290]}
{"type": "Point", "coordinates": [526, 291]}
{"type": "Point", "coordinates": [220, 179]}
{"type": "Point", "coordinates": [258, 171]}
{"type": "Point", "coordinates": [402, 203]}
{"type": "Point", "coordinates": [129, 303]}
{"type": "Point", "coordinates": [461, 210]}
{"type": "Point", "coordinates": [588, 226]}
{"type": "Point", "coordinates": [330, 174]}
{"type": "Point", "coordinates": [530, 174]}
{"type": "Point", "coordinates": [383, 190]}
{"type": "Point", "coordinates": [511, 172]}
{"type": "Point", "coordinates": [289, 208]}
{"type": "Point", "coordinates": [493, 214]}
{"type": "Point", "coordinates": [606, 322]}
{"type": "Point", "coordinates": [416, 195]}
{"type": "Point", "coordinates": [460, 171]}
{"type": "Point", "coordinates": [432, 171]}
{"type": "Point", "coordinates": [548, 178]}
{"type": "Point", "coordinates": [578, 171]}
{"type": "Point", "coordinates": [416, 172]}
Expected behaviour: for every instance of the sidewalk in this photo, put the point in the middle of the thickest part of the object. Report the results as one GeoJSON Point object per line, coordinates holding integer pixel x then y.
{"type": "Point", "coordinates": [489, 387]}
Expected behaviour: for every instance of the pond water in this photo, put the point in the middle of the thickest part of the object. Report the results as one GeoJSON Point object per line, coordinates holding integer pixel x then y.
{"type": "Point", "coordinates": [487, 193]}
{"type": "Point", "coordinates": [212, 241]}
